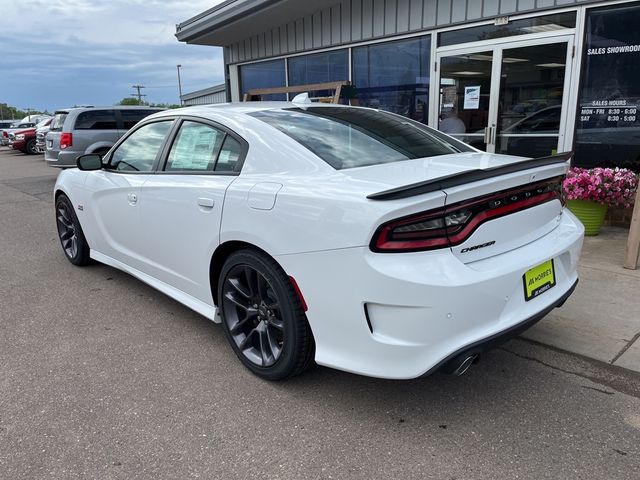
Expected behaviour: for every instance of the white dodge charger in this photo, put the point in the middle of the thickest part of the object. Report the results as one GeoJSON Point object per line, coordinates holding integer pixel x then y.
{"type": "Point", "coordinates": [351, 237]}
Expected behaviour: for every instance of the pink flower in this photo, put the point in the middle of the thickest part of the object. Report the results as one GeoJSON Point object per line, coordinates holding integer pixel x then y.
{"type": "Point", "coordinates": [615, 187]}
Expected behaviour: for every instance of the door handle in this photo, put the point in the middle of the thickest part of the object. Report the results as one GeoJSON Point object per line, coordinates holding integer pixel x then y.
{"type": "Point", "coordinates": [206, 202]}
{"type": "Point", "coordinates": [490, 135]}
{"type": "Point", "coordinates": [132, 197]}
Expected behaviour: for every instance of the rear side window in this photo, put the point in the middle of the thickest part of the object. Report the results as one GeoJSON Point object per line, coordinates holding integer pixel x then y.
{"type": "Point", "coordinates": [229, 158]}
{"type": "Point", "coordinates": [131, 117]}
{"type": "Point", "coordinates": [195, 148]}
{"type": "Point", "coordinates": [354, 137]}
{"type": "Point", "coordinates": [96, 120]}
{"type": "Point", "coordinates": [58, 121]}
{"type": "Point", "coordinates": [138, 152]}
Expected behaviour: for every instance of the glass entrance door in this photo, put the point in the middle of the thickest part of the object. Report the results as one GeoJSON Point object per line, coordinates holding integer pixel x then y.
{"type": "Point", "coordinates": [510, 98]}
{"type": "Point", "coordinates": [465, 96]}
{"type": "Point", "coordinates": [530, 103]}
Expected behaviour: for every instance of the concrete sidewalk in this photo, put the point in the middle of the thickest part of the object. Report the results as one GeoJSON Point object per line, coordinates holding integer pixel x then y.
{"type": "Point", "coordinates": [601, 320]}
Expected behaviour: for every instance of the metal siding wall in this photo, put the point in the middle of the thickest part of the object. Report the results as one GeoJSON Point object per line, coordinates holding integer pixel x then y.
{"type": "Point", "coordinates": [378, 18]}
{"type": "Point", "coordinates": [459, 10]}
{"type": "Point", "coordinates": [402, 16]}
{"type": "Point", "coordinates": [508, 6]}
{"type": "Point", "coordinates": [317, 30]}
{"type": "Point", "coordinates": [429, 12]}
{"type": "Point", "coordinates": [367, 19]}
{"type": "Point", "coordinates": [357, 20]}
{"type": "Point", "coordinates": [299, 34]}
{"type": "Point", "coordinates": [336, 25]}
{"type": "Point", "coordinates": [326, 27]}
{"type": "Point", "coordinates": [491, 8]}
{"type": "Point", "coordinates": [526, 5]}
{"type": "Point", "coordinates": [443, 17]}
{"type": "Point", "coordinates": [345, 23]}
{"type": "Point", "coordinates": [415, 14]}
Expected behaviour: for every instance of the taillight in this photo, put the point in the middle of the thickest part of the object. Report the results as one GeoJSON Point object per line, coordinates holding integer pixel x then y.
{"type": "Point", "coordinates": [66, 140]}
{"type": "Point", "coordinates": [454, 224]}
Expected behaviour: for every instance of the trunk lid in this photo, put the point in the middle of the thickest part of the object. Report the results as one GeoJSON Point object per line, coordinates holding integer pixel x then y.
{"type": "Point", "coordinates": [508, 201]}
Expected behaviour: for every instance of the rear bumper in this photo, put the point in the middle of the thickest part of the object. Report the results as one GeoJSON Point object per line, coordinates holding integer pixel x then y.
{"type": "Point", "coordinates": [498, 339]}
{"type": "Point", "coordinates": [61, 158]}
{"type": "Point", "coordinates": [402, 316]}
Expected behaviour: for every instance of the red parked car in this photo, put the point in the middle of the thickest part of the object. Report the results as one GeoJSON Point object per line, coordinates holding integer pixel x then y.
{"type": "Point", "coordinates": [25, 140]}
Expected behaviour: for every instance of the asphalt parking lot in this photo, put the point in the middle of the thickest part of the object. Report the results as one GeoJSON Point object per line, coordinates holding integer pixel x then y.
{"type": "Point", "coordinates": [103, 377]}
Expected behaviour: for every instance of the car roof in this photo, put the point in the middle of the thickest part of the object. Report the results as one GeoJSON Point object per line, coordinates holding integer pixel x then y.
{"type": "Point", "coordinates": [246, 107]}
{"type": "Point", "coordinates": [107, 107]}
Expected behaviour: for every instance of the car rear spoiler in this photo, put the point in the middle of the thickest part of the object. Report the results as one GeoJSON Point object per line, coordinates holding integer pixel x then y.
{"type": "Point", "coordinates": [466, 177]}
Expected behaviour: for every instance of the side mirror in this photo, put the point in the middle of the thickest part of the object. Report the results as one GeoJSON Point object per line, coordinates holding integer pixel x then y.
{"type": "Point", "coordinates": [90, 161]}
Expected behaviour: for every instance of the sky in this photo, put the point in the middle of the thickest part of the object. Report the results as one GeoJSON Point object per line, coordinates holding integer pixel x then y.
{"type": "Point", "coordinates": [60, 53]}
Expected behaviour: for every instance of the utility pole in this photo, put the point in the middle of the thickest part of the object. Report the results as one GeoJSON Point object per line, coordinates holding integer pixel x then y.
{"type": "Point", "coordinates": [179, 83]}
{"type": "Point", "coordinates": [139, 94]}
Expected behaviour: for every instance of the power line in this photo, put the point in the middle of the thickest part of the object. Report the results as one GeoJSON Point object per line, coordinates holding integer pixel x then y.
{"type": "Point", "coordinates": [139, 94]}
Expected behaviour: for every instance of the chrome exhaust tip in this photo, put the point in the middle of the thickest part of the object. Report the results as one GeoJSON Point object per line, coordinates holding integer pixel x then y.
{"type": "Point", "coordinates": [465, 365]}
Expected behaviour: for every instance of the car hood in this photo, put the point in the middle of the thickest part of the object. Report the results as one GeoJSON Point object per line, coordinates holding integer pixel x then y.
{"type": "Point", "coordinates": [397, 174]}
{"type": "Point", "coordinates": [24, 130]}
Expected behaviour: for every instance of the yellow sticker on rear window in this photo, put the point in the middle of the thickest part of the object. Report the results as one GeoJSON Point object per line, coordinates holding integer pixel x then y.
{"type": "Point", "coordinates": [539, 279]}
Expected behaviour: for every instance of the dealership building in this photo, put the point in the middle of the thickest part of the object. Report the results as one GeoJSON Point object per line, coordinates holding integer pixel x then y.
{"type": "Point", "coordinates": [524, 77]}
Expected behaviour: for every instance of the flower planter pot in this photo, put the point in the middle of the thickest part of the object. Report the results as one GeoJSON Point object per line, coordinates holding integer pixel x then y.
{"type": "Point", "coordinates": [591, 214]}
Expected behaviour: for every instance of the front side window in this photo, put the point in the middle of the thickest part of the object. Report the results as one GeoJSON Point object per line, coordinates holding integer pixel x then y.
{"type": "Point", "coordinates": [97, 120]}
{"type": "Point", "coordinates": [353, 137]}
{"type": "Point", "coordinates": [195, 148]}
{"type": "Point", "coordinates": [394, 76]}
{"type": "Point", "coordinates": [139, 151]}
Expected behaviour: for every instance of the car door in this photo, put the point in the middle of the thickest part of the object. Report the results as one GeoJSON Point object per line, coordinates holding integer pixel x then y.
{"type": "Point", "coordinates": [114, 226]}
{"type": "Point", "coordinates": [181, 206]}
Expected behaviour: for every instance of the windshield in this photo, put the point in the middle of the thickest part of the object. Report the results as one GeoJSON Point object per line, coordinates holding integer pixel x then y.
{"type": "Point", "coordinates": [355, 137]}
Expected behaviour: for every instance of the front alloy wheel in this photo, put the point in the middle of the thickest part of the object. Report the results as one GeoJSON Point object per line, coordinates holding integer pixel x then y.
{"type": "Point", "coordinates": [262, 316]}
{"type": "Point", "coordinates": [70, 233]}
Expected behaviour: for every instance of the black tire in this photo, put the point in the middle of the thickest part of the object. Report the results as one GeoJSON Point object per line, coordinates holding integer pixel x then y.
{"type": "Point", "coordinates": [262, 316]}
{"type": "Point", "coordinates": [30, 148]}
{"type": "Point", "coordinates": [74, 244]}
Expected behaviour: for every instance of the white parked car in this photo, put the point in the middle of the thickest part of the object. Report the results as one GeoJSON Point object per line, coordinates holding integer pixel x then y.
{"type": "Point", "coordinates": [353, 237]}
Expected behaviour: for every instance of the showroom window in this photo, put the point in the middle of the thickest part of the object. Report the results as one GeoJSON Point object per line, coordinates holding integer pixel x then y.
{"type": "Point", "coordinates": [607, 123]}
{"type": "Point", "coordinates": [319, 68]}
{"type": "Point", "coordinates": [394, 76]}
{"type": "Point", "coordinates": [263, 75]}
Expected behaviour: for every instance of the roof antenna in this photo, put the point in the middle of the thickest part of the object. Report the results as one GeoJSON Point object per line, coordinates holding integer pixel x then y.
{"type": "Point", "coordinates": [302, 99]}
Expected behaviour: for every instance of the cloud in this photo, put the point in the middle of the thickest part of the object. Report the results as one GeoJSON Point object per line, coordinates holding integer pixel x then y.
{"type": "Point", "coordinates": [81, 51]}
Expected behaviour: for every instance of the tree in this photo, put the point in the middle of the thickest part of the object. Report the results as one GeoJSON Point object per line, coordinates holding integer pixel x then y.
{"type": "Point", "coordinates": [129, 101]}
{"type": "Point", "coordinates": [165, 105]}
{"type": "Point", "coordinates": [8, 112]}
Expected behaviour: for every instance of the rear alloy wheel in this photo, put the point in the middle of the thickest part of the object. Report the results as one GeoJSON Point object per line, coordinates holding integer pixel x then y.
{"type": "Point", "coordinates": [70, 233]}
{"type": "Point", "coordinates": [30, 148]}
{"type": "Point", "coordinates": [262, 316]}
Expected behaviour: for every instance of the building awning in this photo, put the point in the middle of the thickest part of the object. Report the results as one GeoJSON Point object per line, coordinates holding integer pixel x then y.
{"type": "Point", "coordinates": [205, 91]}
{"type": "Point", "coordinates": [235, 20]}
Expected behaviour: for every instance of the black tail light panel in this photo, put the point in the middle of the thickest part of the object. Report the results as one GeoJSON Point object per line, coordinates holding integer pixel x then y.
{"type": "Point", "coordinates": [454, 224]}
